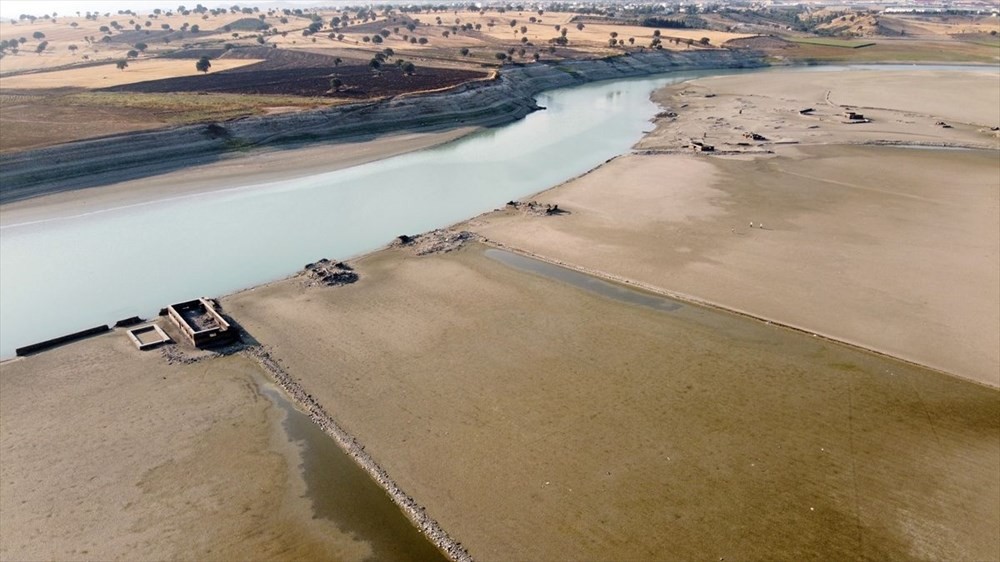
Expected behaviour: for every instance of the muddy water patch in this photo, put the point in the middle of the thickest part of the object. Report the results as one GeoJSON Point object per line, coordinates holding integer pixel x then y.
{"type": "Point", "coordinates": [583, 281]}
{"type": "Point", "coordinates": [342, 492]}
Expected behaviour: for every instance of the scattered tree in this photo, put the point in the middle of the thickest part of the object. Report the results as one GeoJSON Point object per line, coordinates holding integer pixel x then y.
{"type": "Point", "coordinates": [464, 51]}
{"type": "Point", "coordinates": [203, 64]}
{"type": "Point", "coordinates": [72, 49]}
{"type": "Point", "coordinates": [41, 47]}
{"type": "Point", "coordinates": [336, 84]}
{"type": "Point", "coordinates": [38, 35]}
{"type": "Point", "coordinates": [408, 68]}
{"type": "Point", "coordinates": [122, 65]}
{"type": "Point", "coordinates": [132, 54]}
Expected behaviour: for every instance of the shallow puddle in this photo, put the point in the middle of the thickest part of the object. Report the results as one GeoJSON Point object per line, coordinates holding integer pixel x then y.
{"type": "Point", "coordinates": [345, 494]}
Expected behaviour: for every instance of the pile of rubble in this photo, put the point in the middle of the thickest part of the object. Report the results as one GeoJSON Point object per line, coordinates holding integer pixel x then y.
{"type": "Point", "coordinates": [435, 242]}
{"type": "Point", "coordinates": [536, 208]}
{"type": "Point", "coordinates": [329, 274]}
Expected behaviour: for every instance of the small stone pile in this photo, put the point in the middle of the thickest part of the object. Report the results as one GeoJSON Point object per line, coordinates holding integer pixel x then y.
{"type": "Point", "coordinates": [329, 274]}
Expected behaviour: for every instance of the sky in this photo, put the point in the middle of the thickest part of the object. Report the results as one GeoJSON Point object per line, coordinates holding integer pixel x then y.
{"type": "Point", "coordinates": [14, 8]}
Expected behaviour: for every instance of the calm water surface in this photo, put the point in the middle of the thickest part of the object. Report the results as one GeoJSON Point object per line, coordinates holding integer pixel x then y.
{"type": "Point", "coordinates": [73, 272]}
{"type": "Point", "coordinates": [345, 494]}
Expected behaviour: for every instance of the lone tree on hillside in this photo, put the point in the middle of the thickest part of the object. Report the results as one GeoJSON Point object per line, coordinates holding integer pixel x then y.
{"type": "Point", "coordinates": [336, 84]}
{"type": "Point", "coordinates": [122, 65]}
{"type": "Point", "coordinates": [41, 47]}
{"type": "Point", "coordinates": [203, 64]}
{"type": "Point", "coordinates": [132, 54]}
{"type": "Point", "coordinates": [38, 35]}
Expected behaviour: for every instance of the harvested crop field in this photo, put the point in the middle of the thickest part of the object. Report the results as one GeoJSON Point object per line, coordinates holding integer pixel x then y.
{"type": "Point", "coordinates": [307, 74]}
{"type": "Point", "coordinates": [108, 75]}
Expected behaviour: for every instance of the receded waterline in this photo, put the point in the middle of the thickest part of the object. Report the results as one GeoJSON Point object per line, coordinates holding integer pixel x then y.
{"type": "Point", "coordinates": [342, 492]}
{"type": "Point", "coordinates": [584, 281]}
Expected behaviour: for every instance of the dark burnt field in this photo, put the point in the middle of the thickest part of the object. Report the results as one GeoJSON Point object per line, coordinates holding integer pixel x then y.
{"type": "Point", "coordinates": [306, 74]}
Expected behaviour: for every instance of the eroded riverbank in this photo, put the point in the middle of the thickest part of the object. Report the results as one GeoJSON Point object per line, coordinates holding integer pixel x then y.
{"type": "Point", "coordinates": [480, 104]}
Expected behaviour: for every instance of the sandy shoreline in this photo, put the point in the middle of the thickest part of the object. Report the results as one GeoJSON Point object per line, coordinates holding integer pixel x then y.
{"type": "Point", "coordinates": [889, 249]}
{"type": "Point", "coordinates": [110, 453]}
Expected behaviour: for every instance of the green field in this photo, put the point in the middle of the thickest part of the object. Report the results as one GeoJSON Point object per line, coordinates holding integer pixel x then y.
{"type": "Point", "coordinates": [826, 42]}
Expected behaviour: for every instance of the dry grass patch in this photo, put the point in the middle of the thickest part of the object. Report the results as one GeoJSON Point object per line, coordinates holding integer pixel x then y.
{"type": "Point", "coordinates": [193, 108]}
{"type": "Point", "coordinates": [139, 70]}
{"type": "Point", "coordinates": [34, 121]}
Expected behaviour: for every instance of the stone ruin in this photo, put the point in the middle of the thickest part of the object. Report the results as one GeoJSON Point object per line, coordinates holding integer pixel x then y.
{"type": "Point", "coordinates": [535, 208]}
{"type": "Point", "coordinates": [329, 274]}
{"type": "Point", "coordinates": [434, 242]}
